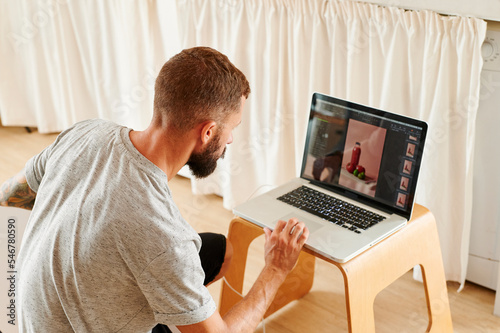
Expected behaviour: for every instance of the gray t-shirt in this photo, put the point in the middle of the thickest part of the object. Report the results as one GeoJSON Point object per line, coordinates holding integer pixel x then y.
{"type": "Point", "coordinates": [106, 249]}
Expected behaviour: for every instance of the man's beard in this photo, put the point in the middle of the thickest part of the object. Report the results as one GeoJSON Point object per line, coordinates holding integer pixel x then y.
{"type": "Point", "coordinates": [203, 164]}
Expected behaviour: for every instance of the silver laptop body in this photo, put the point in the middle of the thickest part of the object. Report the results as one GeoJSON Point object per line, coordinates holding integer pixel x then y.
{"type": "Point", "coordinates": [365, 157]}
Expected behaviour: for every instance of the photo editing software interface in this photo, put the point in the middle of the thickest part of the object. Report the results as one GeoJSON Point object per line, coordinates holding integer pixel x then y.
{"type": "Point", "coordinates": [369, 153]}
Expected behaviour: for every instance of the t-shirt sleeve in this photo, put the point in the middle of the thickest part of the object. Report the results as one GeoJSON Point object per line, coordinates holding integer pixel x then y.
{"type": "Point", "coordinates": [35, 168]}
{"type": "Point", "coordinates": [173, 286]}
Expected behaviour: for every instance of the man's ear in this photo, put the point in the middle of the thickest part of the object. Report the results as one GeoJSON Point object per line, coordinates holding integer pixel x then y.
{"type": "Point", "coordinates": [208, 130]}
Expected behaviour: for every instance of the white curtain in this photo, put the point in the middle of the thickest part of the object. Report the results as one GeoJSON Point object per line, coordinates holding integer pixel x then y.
{"type": "Point", "coordinates": [418, 64]}
{"type": "Point", "coordinates": [64, 61]}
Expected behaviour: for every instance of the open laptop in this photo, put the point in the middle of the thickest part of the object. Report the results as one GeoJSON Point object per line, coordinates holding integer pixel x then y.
{"type": "Point", "coordinates": [357, 182]}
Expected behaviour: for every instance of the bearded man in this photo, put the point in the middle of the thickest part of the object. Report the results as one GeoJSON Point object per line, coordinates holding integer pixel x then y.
{"type": "Point", "coordinates": [106, 248]}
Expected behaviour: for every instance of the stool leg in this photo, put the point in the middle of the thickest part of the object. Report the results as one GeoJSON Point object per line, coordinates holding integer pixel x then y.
{"type": "Point", "coordinates": [241, 233]}
{"type": "Point", "coordinates": [359, 304]}
{"type": "Point", "coordinates": [436, 291]}
{"type": "Point", "coordinates": [369, 273]}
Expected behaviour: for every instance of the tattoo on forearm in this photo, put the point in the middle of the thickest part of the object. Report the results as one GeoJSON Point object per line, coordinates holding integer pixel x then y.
{"type": "Point", "coordinates": [15, 192]}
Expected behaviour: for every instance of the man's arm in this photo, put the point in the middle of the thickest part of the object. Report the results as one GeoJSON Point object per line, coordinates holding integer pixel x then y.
{"type": "Point", "coordinates": [15, 192]}
{"type": "Point", "coordinates": [282, 249]}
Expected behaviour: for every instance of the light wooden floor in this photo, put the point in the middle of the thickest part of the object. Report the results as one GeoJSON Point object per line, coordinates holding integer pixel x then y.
{"type": "Point", "coordinates": [400, 308]}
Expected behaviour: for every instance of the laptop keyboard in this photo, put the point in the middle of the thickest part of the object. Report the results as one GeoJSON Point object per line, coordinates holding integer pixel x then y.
{"type": "Point", "coordinates": [331, 209]}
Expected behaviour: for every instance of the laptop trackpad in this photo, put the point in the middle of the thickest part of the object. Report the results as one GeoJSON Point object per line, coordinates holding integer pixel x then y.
{"type": "Point", "coordinates": [311, 225]}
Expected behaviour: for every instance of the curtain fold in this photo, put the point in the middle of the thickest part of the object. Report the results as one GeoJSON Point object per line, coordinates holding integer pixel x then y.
{"type": "Point", "coordinates": [66, 61]}
{"type": "Point", "coordinates": [419, 64]}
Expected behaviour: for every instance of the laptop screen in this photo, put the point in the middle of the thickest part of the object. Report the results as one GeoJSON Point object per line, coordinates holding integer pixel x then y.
{"type": "Point", "coordinates": [367, 154]}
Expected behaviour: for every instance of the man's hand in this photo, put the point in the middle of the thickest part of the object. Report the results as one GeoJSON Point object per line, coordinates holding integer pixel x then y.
{"type": "Point", "coordinates": [284, 243]}
{"type": "Point", "coordinates": [282, 250]}
{"type": "Point", "coordinates": [15, 192]}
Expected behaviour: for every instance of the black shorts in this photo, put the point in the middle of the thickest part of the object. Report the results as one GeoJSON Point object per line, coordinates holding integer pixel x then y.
{"type": "Point", "coordinates": [212, 253]}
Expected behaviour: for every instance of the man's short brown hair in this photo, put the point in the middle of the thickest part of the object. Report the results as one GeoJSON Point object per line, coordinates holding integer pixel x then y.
{"type": "Point", "coordinates": [196, 85]}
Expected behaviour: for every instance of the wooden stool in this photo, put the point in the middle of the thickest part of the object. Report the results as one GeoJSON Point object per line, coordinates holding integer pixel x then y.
{"type": "Point", "coordinates": [364, 276]}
